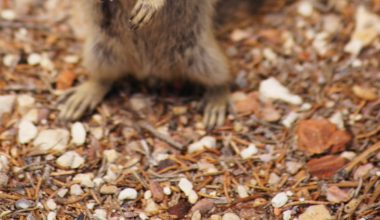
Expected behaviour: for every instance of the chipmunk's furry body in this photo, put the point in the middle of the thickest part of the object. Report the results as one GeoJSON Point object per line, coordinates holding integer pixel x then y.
{"type": "Point", "coordinates": [166, 39]}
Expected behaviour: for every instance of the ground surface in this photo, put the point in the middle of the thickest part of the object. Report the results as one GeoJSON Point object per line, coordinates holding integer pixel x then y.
{"type": "Point", "coordinates": [277, 158]}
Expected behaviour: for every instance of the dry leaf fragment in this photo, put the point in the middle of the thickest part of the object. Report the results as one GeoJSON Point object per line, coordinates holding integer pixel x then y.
{"type": "Point", "coordinates": [157, 191]}
{"type": "Point", "coordinates": [325, 167]}
{"type": "Point", "coordinates": [337, 195]}
{"type": "Point", "coordinates": [318, 136]}
{"type": "Point", "coordinates": [365, 93]}
{"type": "Point", "coordinates": [65, 80]}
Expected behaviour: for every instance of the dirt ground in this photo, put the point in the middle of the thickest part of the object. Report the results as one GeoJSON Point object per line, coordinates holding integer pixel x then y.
{"type": "Point", "coordinates": [301, 142]}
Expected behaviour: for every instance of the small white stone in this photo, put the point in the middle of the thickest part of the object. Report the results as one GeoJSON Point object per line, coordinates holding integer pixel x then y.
{"type": "Point", "coordinates": [143, 216]}
{"type": "Point", "coordinates": [207, 142]}
{"type": "Point", "coordinates": [6, 104]}
{"type": "Point", "coordinates": [111, 155]}
{"type": "Point", "coordinates": [230, 216]}
{"type": "Point", "coordinates": [91, 205]}
{"type": "Point", "coordinates": [287, 215]}
{"type": "Point", "coordinates": [196, 215]}
{"type": "Point", "coordinates": [112, 174]}
{"type": "Point", "coordinates": [52, 216]}
{"type": "Point", "coordinates": [148, 194]}
{"type": "Point", "coordinates": [51, 205]}
{"type": "Point", "coordinates": [85, 179]}
{"type": "Point", "coordinates": [273, 179]}
{"type": "Point", "coordinates": [266, 158]}
{"type": "Point", "coordinates": [249, 151]}
{"type": "Point", "coordinates": [270, 55]}
{"type": "Point", "coordinates": [62, 192]}
{"type": "Point", "coordinates": [127, 194]}
{"type": "Point", "coordinates": [47, 63]}
{"type": "Point", "coordinates": [26, 132]}
{"type": "Point", "coordinates": [52, 139]}
{"type": "Point", "coordinates": [279, 200]}
{"type": "Point", "coordinates": [72, 59]}
{"type": "Point", "coordinates": [8, 14]}
{"type": "Point", "coordinates": [10, 60]}
{"type": "Point", "coordinates": [98, 181]}
{"type": "Point", "coordinates": [76, 190]}
{"type": "Point", "coordinates": [151, 207]}
{"type": "Point", "coordinates": [24, 204]}
{"type": "Point", "coordinates": [167, 191]}
{"type": "Point", "coordinates": [25, 103]}
{"type": "Point", "coordinates": [78, 133]}
{"type": "Point", "coordinates": [293, 167]}
{"type": "Point", "coordinates": [185, 185]}
{"type": "Point", "coordinates": [349, 155]}
{"type": "Point", "coordinates": [337, 119]}
{"type": "Point", "coordinates": [272, 89]}
{"type": "Point", "coordinates": [305, 8]}
{"type": "Point", "coordinates": [192, 197]}
{"type": "Point", "coordinates": [70, 159]}
{"type": "Point", "coordinates": [289, 120]}
{"type": "Point", "coordinates": [34, 59]}
{"type": "Point", "coordinates": [242, 191]}
{"type": "Point", "coordinates": [31, 115]}
{"type": "Point", "coordinates": [100, 214]}
{"type": "Point", "coordinates": [4, 163]}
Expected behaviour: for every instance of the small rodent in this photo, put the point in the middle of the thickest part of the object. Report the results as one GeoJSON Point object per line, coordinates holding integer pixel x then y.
{"type": "Point", "coordinates": [166, 39]}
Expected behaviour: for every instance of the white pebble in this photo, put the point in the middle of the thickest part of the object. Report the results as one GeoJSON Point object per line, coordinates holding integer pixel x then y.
{"type": "Point", "coordinates": [127, 194]}
{"type": "Point", "coordinates": [289, 120]}
{"type": "Point", "coordinates": [72, 59]}
{"type": "Point", "coordinates": [305, 8]}
{"type": "Point", "coordinates": [8, 14]}
{"type": "Point", "coordinates": [26, 132]}
{"type": "Point", "coordinates": [185, 185]}
{"type": "Point", "coordinates": [272, 89]}
{"type": "Point", "coordinates": [91, 205]}
{"type": "Point", "coordinates": [337, 119]}
{"type": "Point", "coordinates": [207, 142]}
{"type": "Point", "coordinates": [148, 194]}
{"type": "Point", "coordinates": [34, 59]}
{"type": "Point", "coordinates": [249, 151]}
{"type": "Point", "coordinates": [70, 159]}
{"type": "Point", "coordinates": [151, 207]}
{"type": "Point", "coordinates": [85, 179]}
{"type": "Point", "coordinates": [192, 197]}
{"type": "Point", "coordinates": [6, 104]}
{"type": "Point", "coordinates": [111, 155]}
{"type": "Point", "coordinates": [10, 60]}
{"type": "Point", "coordinates": [242, 191]}
{"type": "Point", "coordinates": [100, 214]}
{"type": "Point", "coordinates": [62, 192]}
{"type": "Point", "coordinates": [280, 200]}
{"type": "Point", "coordinates": [24, 204]}
{"type": "Point", "coordinates": [293, 167]}
{"type": "Point", "coordinates": [25, 103]}
{"type": "Point", "coordinates": [349, 155]}
{"type": "Point", "coordinates": [52, 216]}
{"type": "Point", "coordinates": [78, 133]}
{"type": "Point", "coordinates": [52, 139]}
{"type": "Point", "coordinates": [51, 205]}
{"type": "Point", "coordinates": [143, 216]}
{"type": "Point", "coordinates": [287, 215]}
{"type": "Point", "coordinates": [230, 216]}
{"type": "Point", "coordinates": [167, 191]}
{"type": "Point", "coordinates": [76, 190]}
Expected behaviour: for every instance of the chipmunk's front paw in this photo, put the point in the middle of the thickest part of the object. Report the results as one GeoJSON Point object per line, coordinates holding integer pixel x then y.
{"type": "Point", "coordinates": [144, 11]}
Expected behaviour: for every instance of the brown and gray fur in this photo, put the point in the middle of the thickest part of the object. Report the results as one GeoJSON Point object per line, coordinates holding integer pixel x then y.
{"type": "Point", "coordinates": [174, 42]}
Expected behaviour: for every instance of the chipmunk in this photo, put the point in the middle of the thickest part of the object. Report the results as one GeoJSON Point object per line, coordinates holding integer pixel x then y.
{"type": "Point", "coordinates": [166, 39]}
